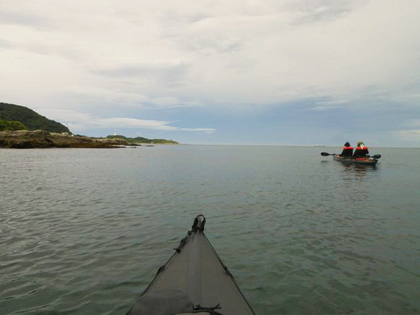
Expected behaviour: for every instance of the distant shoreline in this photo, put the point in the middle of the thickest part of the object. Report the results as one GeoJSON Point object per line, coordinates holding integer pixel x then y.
{"type": "Point", "coordinates": [35, 139]}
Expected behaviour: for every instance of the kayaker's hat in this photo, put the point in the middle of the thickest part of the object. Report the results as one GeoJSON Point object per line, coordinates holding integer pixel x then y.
{"type": "Point", "coordinates": [347, 144]}
{"type": "Point", "coordinates": [360, 143]}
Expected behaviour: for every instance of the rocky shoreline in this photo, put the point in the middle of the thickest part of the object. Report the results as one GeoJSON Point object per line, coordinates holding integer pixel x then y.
{"type": "Point", "coordinates": [29, 139]}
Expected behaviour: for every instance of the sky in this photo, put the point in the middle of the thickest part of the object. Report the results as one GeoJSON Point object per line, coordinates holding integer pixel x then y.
{"type": "Point", "coordinates": [284, 72]}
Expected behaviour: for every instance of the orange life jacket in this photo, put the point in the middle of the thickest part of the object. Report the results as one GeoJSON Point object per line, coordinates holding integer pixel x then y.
{"type": "Point", "coordinates": [362, 149]}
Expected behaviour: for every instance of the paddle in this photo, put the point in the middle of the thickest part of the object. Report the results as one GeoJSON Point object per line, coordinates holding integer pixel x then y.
{"type": "Point", "coordinates": [376, 156]}
{"type": "Point", "coordinates": [327, 154]}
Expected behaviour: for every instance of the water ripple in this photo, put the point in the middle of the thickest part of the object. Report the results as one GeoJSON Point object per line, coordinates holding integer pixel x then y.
{"type": "Point", "coordinates": [84, 231]}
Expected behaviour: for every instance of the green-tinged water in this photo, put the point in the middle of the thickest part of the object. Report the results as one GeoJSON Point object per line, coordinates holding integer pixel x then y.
{"type": "Point", "coordinates": [84, 231]}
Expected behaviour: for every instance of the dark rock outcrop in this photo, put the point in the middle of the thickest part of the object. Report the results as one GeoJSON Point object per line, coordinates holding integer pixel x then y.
{"type": "Point", "coordinates": [27, 139]}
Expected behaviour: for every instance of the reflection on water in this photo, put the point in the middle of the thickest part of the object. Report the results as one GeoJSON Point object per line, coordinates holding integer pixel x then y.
{"type": "Point", "coordinates": [357, 172]}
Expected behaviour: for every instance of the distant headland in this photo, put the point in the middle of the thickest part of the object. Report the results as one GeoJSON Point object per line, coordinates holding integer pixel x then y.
{"type": "Point", "coordinates": [23, 128]}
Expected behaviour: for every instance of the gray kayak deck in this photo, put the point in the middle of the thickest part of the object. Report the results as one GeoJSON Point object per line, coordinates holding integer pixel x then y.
{"type": "Point", "coordinates": [196, 273]}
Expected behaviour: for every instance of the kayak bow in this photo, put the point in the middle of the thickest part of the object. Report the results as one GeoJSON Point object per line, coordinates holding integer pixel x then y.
{"type": "Point", "coordinates": [193, 281]}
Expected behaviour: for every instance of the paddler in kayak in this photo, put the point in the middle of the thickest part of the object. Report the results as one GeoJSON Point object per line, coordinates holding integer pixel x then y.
{"type": "Point", "coordinates": [361, 151]}
{"type": "Point", "coordinates": [347, 150]}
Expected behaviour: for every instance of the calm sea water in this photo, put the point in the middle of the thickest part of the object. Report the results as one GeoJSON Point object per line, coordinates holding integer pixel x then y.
{"type": "Point", "coordinates": [84, 231]}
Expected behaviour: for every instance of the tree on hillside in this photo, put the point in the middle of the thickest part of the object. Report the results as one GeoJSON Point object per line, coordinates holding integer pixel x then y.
{"type": "Point", "coordinates": [11, 125]}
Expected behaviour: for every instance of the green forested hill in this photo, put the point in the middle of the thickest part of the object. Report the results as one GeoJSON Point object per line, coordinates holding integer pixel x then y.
{"type": "Point", "coordinates": [29, 118]}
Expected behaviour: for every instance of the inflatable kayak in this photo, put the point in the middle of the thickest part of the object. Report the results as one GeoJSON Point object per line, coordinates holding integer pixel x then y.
{"type": "Point", "coordinates": [193, 281]}
{"type": "Point", "coordinates": [365, 161]}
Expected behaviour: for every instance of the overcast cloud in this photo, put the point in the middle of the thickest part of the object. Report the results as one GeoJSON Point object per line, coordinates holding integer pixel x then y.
{"type": "Point", "coordinates": [258, 72]}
